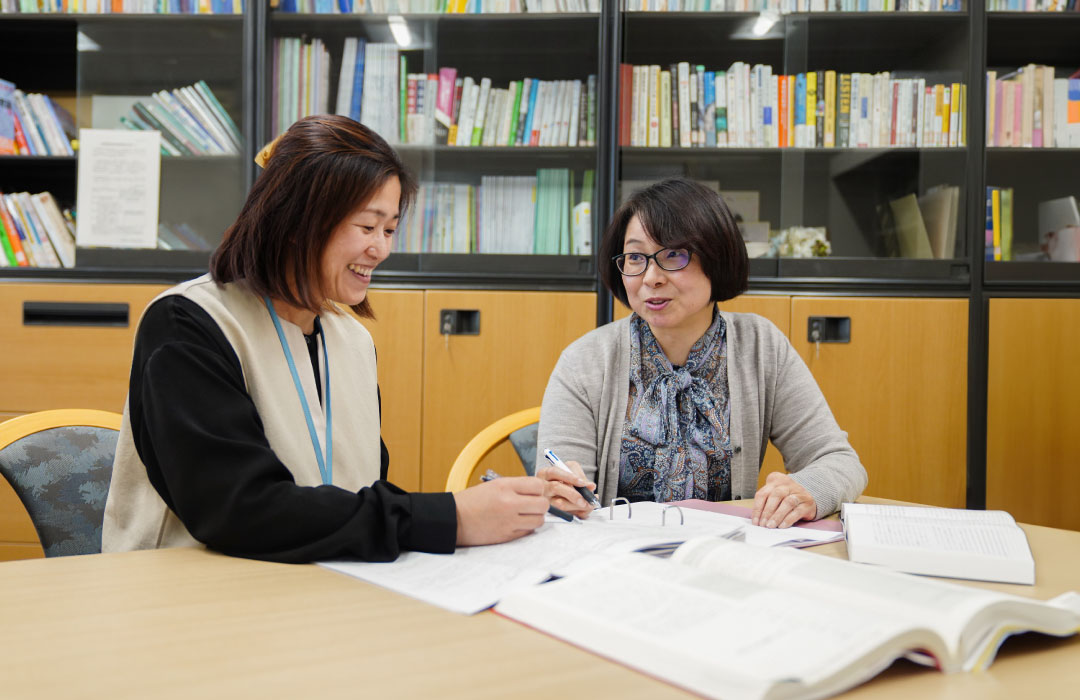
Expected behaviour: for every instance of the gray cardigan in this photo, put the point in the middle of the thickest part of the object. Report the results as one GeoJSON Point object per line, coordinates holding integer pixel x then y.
{"type": "Point", "coordinates": [773, 397]}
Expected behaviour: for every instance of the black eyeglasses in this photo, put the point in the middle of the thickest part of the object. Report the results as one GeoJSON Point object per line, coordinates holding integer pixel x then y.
{"type": "Point", "coordinates": [670, 259]}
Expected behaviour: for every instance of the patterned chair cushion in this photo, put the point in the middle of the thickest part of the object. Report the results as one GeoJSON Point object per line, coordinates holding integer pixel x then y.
{"type": "Point", "coordinates": [524, 442]}
{"type": "Point", "coordinates": [62, 477]}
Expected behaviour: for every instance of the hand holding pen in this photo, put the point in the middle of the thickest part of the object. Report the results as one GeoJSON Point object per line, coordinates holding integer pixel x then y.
{"type": "Point", "coordinates": [565, 485]}
{"type": "Point", "coordinates": [499, 511]}
{"type": "Point", "coordinates": [490, 474]}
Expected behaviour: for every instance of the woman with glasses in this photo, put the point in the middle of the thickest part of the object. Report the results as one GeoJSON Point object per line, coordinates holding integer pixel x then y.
{"type": "Point", "coordinates": [681, 399]}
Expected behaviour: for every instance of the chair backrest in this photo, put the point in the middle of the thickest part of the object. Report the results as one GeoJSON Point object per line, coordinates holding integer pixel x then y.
{"type": "Point", "coordinates": [59, 463]}
{"type": "Point", "coordinates": [519, 428]}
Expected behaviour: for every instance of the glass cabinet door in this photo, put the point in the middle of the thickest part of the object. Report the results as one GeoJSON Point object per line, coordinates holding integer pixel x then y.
{"type": "Point", "coordinates": [675, 118]}
{"type": "Point", "coordinates": [495, 114]}
{"type": "Point", "coordinates": [889, 187]}
{"type": "Point", "coordinates": [183, 76]}
{"type": "Point", "coordinates": [1032, 148]}
{"type": "Point", "coordinates": [834, 136]}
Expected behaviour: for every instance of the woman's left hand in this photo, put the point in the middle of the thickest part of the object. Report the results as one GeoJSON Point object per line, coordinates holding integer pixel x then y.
{"type": "Point", "coordinates": [782, 502]}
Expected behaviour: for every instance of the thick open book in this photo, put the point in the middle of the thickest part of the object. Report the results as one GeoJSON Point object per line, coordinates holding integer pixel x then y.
{"type": "Point", "coordinates": [984, 545]}
{"type": "Point", "coordinates": [732, 621]}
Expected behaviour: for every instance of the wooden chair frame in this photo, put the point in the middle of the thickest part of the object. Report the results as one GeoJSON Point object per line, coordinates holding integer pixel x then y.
{"type": "Point", "coordinates": [483, 443]}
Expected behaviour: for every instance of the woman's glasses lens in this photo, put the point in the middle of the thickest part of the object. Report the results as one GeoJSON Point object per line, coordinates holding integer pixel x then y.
{"type": "Point", "coordinates": [669, 259]}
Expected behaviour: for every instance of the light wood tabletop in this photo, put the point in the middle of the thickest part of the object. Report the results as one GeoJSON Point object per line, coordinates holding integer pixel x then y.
{"type": "Point", "coordinates": [188, 623]}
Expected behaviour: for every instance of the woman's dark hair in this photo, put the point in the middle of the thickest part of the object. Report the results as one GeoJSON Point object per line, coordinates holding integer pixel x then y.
{"type": "Point", "coordinates": [318, 172]}
{"type": "Point", "coordinates": [681, 213]}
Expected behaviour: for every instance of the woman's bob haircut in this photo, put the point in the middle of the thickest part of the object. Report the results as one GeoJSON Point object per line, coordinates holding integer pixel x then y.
{"type": "Point", "coordinates": [317, 173]}
{"type": "Point", "coordinates": [681, 213]}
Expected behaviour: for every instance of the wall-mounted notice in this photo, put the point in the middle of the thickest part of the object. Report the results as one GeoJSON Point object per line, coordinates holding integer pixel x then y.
{"type": "Point", "coordinates": [119, 179]}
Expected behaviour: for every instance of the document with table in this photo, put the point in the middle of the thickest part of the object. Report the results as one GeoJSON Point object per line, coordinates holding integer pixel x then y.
{"type": "Point", "coordinates": [728, 620]}
{"type": "Point", "coordinates": [475, 578]}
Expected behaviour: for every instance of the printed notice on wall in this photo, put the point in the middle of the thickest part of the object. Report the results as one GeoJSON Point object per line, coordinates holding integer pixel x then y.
{"type": "Point", "coordinates": [119, 179]}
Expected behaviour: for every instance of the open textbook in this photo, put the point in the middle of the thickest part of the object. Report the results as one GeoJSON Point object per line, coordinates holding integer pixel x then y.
{"type": "Point", "coordinates": [984, 545]}
{"type": "Point", "coordinates": [732, 621]}
{"type": "Point", "coordinates": [475, 578]}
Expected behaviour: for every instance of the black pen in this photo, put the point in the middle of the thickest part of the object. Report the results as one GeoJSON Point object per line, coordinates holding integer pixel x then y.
{"type": "Point", "coordinates": [491, 474]}
{"type": "Point", "coordinates": [588, 495]}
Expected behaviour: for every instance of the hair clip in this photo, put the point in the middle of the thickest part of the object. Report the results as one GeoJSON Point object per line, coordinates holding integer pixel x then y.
{"type": "Point", "coordinates": [264, 155]}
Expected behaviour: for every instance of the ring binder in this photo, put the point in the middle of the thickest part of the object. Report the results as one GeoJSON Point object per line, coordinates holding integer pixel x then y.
{"type": "Point", "coordinates": [629, 514]}
{"type": "Point", "coordinates": [611, 508]}
{"type": "Point", "coordinates": [663, 515]}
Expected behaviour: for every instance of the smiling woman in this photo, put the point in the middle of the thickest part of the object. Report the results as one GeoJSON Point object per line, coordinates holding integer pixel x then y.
{"type": "Point", "coordinates": [680, 399]}
{"type": "Point", "coordinates": [253, 414]}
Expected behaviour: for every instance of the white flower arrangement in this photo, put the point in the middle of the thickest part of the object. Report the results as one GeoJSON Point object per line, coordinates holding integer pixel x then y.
{"type": "Point", "coordinates": [800, 242]}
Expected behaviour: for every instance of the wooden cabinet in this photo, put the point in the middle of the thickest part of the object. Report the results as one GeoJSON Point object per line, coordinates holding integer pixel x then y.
{"type": "Point", "coordinates": [1033, 410]}
{"type": "Point", "coordinates": [472, 380]}
{"type": "Point", "coordinates": [899, 389]}
{"type": "Point", "coordinates": [63, 355]}
{"type": "Point", "coordinates": [398, 332]}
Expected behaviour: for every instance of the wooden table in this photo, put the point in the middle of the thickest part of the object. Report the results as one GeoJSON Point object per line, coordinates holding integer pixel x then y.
{"type": "Point", "coordinates": [187, 623]}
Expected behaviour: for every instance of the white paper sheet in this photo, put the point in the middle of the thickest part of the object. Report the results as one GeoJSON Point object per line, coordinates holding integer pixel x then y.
{"type": "Point", "coordinates": [475, 578]}
{"type": "Point", "coordinates": [119, 179]}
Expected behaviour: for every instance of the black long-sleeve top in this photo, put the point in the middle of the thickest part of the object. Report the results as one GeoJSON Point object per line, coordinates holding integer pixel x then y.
{"type": "Point", "coordinates": [200, 436]}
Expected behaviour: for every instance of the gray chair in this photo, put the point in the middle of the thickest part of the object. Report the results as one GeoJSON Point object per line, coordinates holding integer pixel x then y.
{"type": "Point", "coordinates": [524, 442]}
{"type": "Point", "coordinates": [59, 463]}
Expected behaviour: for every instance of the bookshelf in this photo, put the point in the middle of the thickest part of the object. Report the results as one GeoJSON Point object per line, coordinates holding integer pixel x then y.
{"type": "Point", "coordinates": [847, 190]}
{"type": "Point", "coordinates": [80, 58]}
{"type": "Point", "coordinates": [1034, 175]}
{"type": "Point", "coordinates": [95, 66]}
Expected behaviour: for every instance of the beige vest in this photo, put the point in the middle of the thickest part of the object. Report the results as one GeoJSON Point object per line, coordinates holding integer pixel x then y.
{"type": "Point", "coordinates": [137, 518]}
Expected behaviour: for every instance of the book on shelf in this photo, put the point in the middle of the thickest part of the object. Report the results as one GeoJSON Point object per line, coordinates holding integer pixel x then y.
{"type": "Point", "coordinates": [544, 213]}
{"type": "Point", "coordinates": [35, 232]}
{"type": "Point", "coordinates": [982, 545]}
{"type": "Point", "coordinates": [376, 87]}
{"type": "Point", "coordinates": [435, 6]}
{"type": "Point", "coordinates": [940, 209]}
{"type": "Point", "coordinates": [190, 119]}
{"type": "Point", "coordinates": [8, 145]}
{"type": "Point", "coordinates": [180, 236]}
{"type": "Point", "coordinates": [728, 620]}
{"type": "Point", "coordinates": [792, 6]}
{"type": "Point", "coordinates": [1032, 108]}
{"type": "Point", "coordinates": [999, 223]}
{"type": "Point", "coordinates": [33, 124]}
{"type": "Point", "coordinates": [142, 7]}
{"type": "Point", "coordinates": [1031, 6]}
{"type": "Point", "coordinates": [748, 106]}
{"type": "Point", "coordinates": [910, 229]}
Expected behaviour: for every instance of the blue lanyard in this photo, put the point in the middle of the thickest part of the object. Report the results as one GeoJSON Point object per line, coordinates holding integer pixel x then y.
{"type": "Point", "coordinates": [326, 466]}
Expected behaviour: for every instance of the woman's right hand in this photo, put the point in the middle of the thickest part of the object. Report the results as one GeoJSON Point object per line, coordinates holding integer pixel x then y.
{"type": "Point", "coordinates": [559, 489]}
{"type": "Point", "coordinates": [500, 510]}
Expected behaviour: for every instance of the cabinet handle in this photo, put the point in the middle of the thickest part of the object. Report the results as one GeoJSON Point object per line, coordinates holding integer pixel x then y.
{"type": "Point", "coordinates": [459, 322]}
{"type": "Point", "coordinates": [75, 313]}
{"type": "Point", "coordinates": [828, 329]}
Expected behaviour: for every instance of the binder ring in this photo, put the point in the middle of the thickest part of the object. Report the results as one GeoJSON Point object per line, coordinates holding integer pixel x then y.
{"type": "Point", "coordinates": [611, 508]}
{"type": "Point", "coordinates": [663, 515]}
